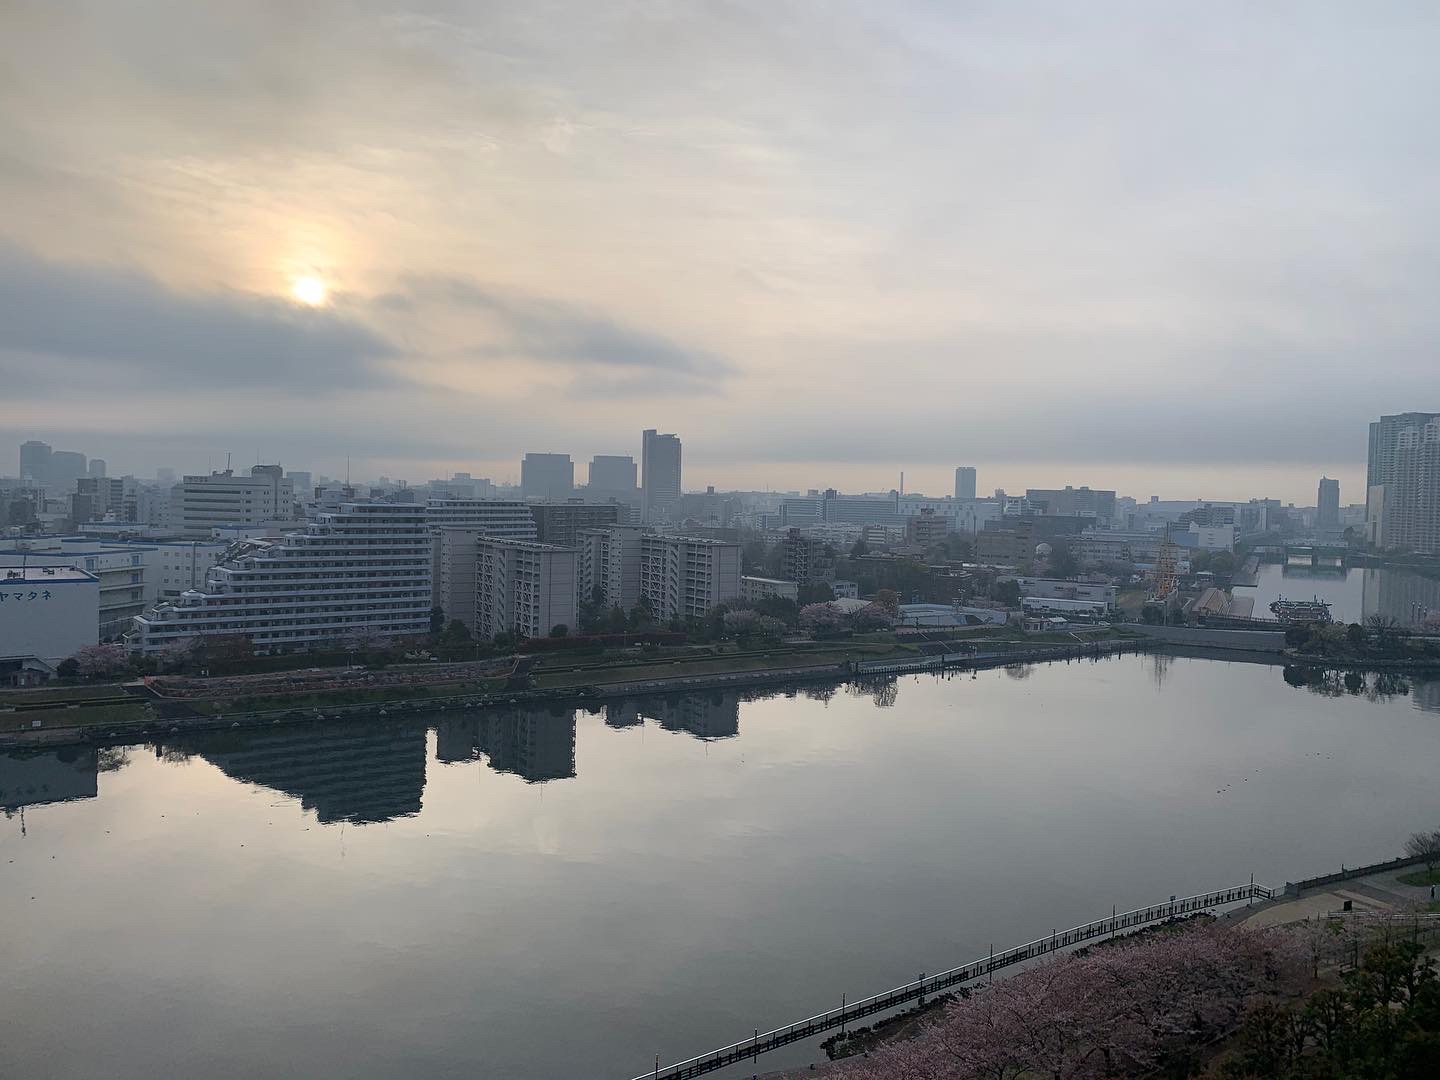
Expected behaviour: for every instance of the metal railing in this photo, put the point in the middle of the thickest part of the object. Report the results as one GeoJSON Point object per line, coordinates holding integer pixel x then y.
{"type": "Point", "coordinates": [762, 1043]}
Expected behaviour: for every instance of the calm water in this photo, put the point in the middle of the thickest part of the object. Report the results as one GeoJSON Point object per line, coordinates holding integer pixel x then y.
{"type": "Point", "coordinates": [1354, 594]}
{"type": "Point", "coordinates": [562, 895]}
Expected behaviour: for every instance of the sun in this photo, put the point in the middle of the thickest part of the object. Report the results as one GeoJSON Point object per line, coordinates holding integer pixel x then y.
{"type": "Point", "coordinates": [310, 291]}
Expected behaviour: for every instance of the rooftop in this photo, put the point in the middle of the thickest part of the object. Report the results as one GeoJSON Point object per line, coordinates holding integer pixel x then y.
{"type": "Point", "coordinates": [46, 575]}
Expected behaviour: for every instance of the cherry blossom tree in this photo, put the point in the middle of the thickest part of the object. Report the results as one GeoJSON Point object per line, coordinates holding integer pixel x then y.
{"type": "Point", "coordinates": [94, 661]}
{"type": "Point", "coordinates": [821, 618]}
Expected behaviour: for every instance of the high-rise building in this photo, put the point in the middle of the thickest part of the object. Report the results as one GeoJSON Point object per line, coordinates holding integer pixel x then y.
{"type": "Point", "coordinates": [97, 468]}
{"type": "Point", "coordinates": [35, 461]}
{"type": "Point", "coordinates": [685, 576]}
{"type": "Point", "coordinates": [1327, 503]}
{"type": "Point", "coordinates": [224, 500]}
{"type": "Point", "coordinates": [523, 588]}
{"type": "Point", "coordinates": [610, 562]}
{"type": "Point", "coordinates": [612, 474]}
{"type": "Point", "coordinates": [965, 482]}
{"type": "Point", "coordinates": [1402, 500]}
{"type": "Point", "coordinates": [66, 466]}
{"type": "Point", "coordinates": [547, 476]}
{"type": "Point", "coordinates": [659, 474]}
{"type": "Point", "coordinates": [360, 573]}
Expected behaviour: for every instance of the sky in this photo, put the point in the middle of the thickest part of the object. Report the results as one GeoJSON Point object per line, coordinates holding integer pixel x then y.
{"type": "Point", "coordinates": [1174, 250]}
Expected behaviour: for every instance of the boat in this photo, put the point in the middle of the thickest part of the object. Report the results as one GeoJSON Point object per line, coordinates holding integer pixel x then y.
{"type": "Point", "coordinates": [1301, 611]}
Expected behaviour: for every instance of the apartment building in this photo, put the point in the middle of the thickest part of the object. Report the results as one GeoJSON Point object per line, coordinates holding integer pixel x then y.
{"type": "Point", "coordinates": [610, 561]}
{"type": "Point", "coordinates": [561, 523]}
{"type": "Point", "coordinates": [523, 587]}
{"type": "Point", "coordinates": [362, 571]}
{"type": "Point", "coordinates": [1403, 473]}
{"type": "Point", "coordinates": [685, 576]}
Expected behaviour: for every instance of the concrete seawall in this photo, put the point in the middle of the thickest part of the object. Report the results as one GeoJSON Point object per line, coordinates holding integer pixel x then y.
{"type": "Point", "coordinates": [1268, 641]}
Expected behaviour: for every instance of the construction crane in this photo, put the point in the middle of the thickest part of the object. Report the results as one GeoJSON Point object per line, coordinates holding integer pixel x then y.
{"type": "Point", "coordinates": [1166, 578]}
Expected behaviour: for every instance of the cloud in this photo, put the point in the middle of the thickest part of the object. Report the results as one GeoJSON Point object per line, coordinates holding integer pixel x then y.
{"type": "Point", "coordinates": [609, 359]}
{"type": "Point", "coordinates": [127, 329]}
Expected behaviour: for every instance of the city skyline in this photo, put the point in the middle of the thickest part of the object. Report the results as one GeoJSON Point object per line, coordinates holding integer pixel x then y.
{"type": "Point", "coordinates": [426, 240]}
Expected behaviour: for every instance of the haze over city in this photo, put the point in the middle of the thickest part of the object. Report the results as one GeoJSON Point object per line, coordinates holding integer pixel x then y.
{"type": "Point", "coordinates": [1121, 246]}
{"type": "Point", "coordinates": [544, 539]}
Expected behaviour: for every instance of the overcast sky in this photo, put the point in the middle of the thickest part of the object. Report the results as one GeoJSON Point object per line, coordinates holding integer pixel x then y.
{"type": "Point", "coordinates": [1178, 249]}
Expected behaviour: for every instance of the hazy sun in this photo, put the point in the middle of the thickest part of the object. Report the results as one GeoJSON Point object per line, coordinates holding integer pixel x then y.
{"type": "Point", "coordinates": [308, 290]}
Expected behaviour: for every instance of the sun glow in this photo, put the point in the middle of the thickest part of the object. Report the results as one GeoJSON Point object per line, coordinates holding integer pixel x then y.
{"type": "Point", "coordinates": [310, 291]}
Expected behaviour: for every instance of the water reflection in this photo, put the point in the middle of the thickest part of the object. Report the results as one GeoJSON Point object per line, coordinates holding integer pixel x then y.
{"type": "Point", "coordinates": [358, 773]}
{"type": "Point", "coordinates": [63, 775]}
{"type": "Point", "coordinates": [1375, 686]}
{"type": "Point", "coordinates": [535, 745]}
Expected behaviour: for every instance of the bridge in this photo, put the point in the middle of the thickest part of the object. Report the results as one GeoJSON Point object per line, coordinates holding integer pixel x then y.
{"type": "Point", "coordinates": [761, 1043]}
{"type": "Point", "coordinates": [1316, 554]}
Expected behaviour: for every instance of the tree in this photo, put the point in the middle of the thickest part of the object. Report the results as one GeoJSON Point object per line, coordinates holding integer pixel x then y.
{"type": "Point", "coordinates": [872, 617]}
{"type": "Point", "coordinates": [888, 601]}
{"type": "Point", "coordinates": [1356, 636]}
{"type": "Point", "coordinates": [1297, 635]}
{"type": "Point", "coordinates": [559, 630]}
{"type": "Point", "coordinates": [1062, 559]}
{"type": "Point", "coordinates": [821, 618]}
{"type": "Point", "coordinates": [1006, 592]}
{"type": "Point", "coordinates": [642, 615]}
{"type": "Point", "coordinates": [859, 549]}
{"type": "Point", "coordinates": [457, 633]}
{"type": "Point", "coordinates": [69, 668]}
{"type": "Point", "coordinates": [95, 661]}
{"type": "Point", "coordinates": [437, 619]}
{"type": "Point", "coordinates": [1424, 845]}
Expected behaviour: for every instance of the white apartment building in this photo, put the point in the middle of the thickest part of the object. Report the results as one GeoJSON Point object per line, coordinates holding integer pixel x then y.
{"type": "Point", "coordinates": [685, 576]}
{"type": "Point", "coordinates": [610, 561]}
{"type": "Point", "coordinates": [264, 497]}
{"type": "Point", "coordinates": [364, 570]}
{"type": "Point", "coordinates": [523, 587]}
{"type": "Point", "coordinates": [494, 517]}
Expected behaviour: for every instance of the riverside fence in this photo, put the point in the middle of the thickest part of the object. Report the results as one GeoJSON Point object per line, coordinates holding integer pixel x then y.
{"type": "Point", "coordinates": [761, 1043]}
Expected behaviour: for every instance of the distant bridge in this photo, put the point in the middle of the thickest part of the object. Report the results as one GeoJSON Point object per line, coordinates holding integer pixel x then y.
{"type": "Point", "coordinates": [1316, 555]}
{"type": "Point", "coordinates": [752, 1048]}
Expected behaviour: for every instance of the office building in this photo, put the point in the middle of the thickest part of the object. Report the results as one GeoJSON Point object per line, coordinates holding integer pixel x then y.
{"type": "Point", "coordinates": [360, 573]}
{"type": "Point", "coordinates": [523, 587]}
{"type": "Point", "coordinates": [610, 563]}
{"type": "Point", "coordinates": [965, 482]}
{"type": "Point", "coordinates": [1327, 504]}
{"type": "Point", "coordinates": [35, 461]}
{"type": "Point", "coordinates": [685, 576]}
{"type": "Point", "coordinates": [66, 466]}
{"type": "Point", "coordinates": [659, 474]}
{"type": "Point", "coordinates": [547, 476]}
{"type": "Point", "coordinates": [46, 614]}
{"type": "Point", "coordinates": [1073, 502]}
{"type": "Point", "coordinates": [266, 497]}
{"type": "Point", "coordinates": [612, 474]}
{"type": "Point", "coordinates": [97, 467]}
{"type": "Point", "coordinates": [1403, 473]}
{"type": "Point", "coordinates": [561, 523]}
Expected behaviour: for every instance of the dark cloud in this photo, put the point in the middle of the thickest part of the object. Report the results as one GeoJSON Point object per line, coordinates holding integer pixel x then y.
{"type": "Point", "coordinates": [125, 328]}
{"type": "Point", "coordinates": [551, 332]}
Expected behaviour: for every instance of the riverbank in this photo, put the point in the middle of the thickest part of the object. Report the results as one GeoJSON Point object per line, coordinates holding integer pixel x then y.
{"type": "Point", "coordinates": [146, 713]}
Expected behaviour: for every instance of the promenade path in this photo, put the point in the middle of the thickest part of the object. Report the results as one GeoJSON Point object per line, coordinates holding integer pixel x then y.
{"type": "Point", "coordinates": [1381, 893]}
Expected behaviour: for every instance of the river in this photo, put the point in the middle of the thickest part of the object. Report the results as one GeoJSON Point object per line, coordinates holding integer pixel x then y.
{"type": "Point", "coordinates": [565, 894]}
{"type": "Point", "coordinates": [1353, 594]}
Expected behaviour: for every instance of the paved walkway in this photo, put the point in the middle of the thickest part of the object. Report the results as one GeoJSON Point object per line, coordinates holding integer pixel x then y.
{"type": "Point", "coordinates": [1381, 893]}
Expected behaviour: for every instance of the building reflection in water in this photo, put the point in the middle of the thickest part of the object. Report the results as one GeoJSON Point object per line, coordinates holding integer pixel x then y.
{"type": "Point", "coordinates": [533, 744]}
{"type": "Point", "coordinates": [1378, 686]}
{"type": "Point", "coordinates": [53, 776]}
{"type": "Point", "coordinates": [358, 772]}
{"type": "Point", "coordinates": [705, 716]}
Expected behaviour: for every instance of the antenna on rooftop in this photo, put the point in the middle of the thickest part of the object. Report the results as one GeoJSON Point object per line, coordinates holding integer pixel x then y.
{"type": "Point", "coordinates": [227, 460]}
